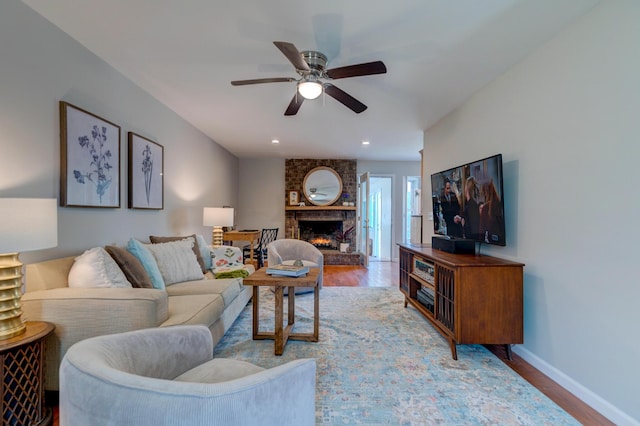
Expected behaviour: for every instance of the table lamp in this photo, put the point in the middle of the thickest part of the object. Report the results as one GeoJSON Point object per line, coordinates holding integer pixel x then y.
{"type": "Point", "coordinates": [25, 224]}
{"type": "Point", "coordinates": [217, 217]}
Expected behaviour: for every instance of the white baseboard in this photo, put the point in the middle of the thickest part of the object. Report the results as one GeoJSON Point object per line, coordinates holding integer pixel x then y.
{"type": "Point", "coordinates": [595, 401]}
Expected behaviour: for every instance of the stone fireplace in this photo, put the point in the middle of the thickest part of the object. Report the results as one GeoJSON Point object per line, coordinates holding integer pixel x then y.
{"type": "Point", "coordinates": [319, 224]}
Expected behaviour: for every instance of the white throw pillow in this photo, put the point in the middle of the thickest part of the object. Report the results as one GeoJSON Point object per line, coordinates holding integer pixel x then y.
{"type": "Point", "coordinates": [176, 261]}
{"type": "Point", "coordinates": [95, 268]}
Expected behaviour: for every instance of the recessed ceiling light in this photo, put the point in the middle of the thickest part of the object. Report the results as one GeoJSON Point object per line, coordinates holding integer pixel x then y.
{"type": "Point", "coordinates": [365, 142]}
{"type": "Point", "coordinates": [275, 141]}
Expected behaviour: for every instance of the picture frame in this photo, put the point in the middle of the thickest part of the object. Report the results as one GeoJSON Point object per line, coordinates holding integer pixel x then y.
{"type": "Point", "coordinates": [294, 198]}
{"type": "Point", "coordinates": [89, 159]}
{"type": "Point", "coordinates": [146, 173]}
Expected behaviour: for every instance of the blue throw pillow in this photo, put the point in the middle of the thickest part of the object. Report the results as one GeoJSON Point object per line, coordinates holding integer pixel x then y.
{"type": "Point", "coordinates": [204, 251]}
{"type": "Point", "coordinates": [149, 264]}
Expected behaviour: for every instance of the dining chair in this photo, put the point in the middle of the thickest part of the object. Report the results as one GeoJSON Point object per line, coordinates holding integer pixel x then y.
{"type": "Point", "coordinates": [267, 236]}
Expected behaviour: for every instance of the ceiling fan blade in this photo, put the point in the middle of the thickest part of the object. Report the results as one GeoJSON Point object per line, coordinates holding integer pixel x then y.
{"type": "Point", "coordinates": [368, 68]}
{"type": "Point", "coordinates": [294, 105]}
{"type": "Point", "coordinates": [292, 54]}
{"type": "Point", "coordinates": [344, 98]}
{"type": "Point", "coordinates": [262, 80]}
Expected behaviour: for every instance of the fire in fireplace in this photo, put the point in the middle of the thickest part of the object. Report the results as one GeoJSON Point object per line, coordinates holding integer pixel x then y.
{"type": "Point", "coordinates": [320, 233]}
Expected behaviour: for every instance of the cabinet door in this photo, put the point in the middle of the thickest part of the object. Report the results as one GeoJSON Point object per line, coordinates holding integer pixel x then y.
{"type": "Point", "coordinates": [405, 267]}
{"type": "Point", "coordinates": [445, 297]}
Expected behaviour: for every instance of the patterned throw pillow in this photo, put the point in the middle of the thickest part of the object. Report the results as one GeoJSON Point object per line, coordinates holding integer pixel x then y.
{"type": "Point", "coordinates": [226, 256]}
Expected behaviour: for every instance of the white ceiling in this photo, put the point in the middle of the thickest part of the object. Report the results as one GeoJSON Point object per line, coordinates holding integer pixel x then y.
{"type": "Point", "coordinates": [437, 53]}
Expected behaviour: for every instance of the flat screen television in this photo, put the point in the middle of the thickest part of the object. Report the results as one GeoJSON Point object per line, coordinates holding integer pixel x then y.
{"type": "Point", "coordinates": [468, 202]}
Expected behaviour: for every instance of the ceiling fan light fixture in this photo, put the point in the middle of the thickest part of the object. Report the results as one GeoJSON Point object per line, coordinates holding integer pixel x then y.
{"type": "Point", "coordinates": [309, 89]}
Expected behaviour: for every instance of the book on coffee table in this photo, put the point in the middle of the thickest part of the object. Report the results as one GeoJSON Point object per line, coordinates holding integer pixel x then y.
{"type": "Point", "coordinates": [288, 270]}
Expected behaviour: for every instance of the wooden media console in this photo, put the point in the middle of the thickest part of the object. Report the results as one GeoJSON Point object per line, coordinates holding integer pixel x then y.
{"type": "Point", "coordinates": [469, 299]}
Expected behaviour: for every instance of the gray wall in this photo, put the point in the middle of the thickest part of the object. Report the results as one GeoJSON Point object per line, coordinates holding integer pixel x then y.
{"type": "Point", "coordinates": [262, 194]}
{"type": "Point", "coordinates": [39, 66]}
{"type": "Point", "coordinates": [566, 121]}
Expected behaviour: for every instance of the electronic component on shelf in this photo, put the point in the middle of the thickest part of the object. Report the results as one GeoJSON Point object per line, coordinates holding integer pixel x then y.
{"type": "Point", "coordinates": [423, 269]}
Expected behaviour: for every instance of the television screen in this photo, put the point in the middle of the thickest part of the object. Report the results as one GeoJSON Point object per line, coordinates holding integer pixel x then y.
{"type": "Point", "coordinates": [468, 201]}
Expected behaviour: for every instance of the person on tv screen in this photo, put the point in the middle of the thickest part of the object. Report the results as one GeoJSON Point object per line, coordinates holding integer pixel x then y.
{"type": "Point", "coordinates": [491, 216]}
{"type": "Point", "coordinates": [470, 217]}
{"type": "Point", "coordinates": [450, 209]}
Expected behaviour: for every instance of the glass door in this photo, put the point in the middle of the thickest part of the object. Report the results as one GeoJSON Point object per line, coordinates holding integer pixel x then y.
{"type": "Point", "coordinates": [380, 217]}
{"type": "Point", "coordinates": [412, 210]}
{"type": "Point", "coordinates": [363, 218]}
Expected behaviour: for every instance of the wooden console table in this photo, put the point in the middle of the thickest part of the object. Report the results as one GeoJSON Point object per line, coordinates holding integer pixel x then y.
{"type": "Point", "coordinates": [469, 299]}
{"type": "Point", "coordinates": [251, 236]}
{"type": "Point", "coordinates": [22, 375]}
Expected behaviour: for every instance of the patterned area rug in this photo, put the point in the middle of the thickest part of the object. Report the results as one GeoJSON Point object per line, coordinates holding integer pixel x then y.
{"type": "Point", "coordinates": [379, 363]}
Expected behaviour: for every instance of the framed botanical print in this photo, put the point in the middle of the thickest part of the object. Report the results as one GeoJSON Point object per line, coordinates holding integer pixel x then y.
{"type": "Point", "coordinates": [293, 198]}
{"type": "Point", "coordinates": [146, 173]}
{"type": "Point", "coordinates": [89, 159]}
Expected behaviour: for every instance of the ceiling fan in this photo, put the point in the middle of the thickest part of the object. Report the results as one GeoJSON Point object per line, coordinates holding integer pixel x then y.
{"type": "Point", "coordinates": [311, 66]}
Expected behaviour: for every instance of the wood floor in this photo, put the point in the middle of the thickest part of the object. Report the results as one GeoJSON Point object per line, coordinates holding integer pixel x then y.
{"type": "Point", "coordinates": [385, 274]}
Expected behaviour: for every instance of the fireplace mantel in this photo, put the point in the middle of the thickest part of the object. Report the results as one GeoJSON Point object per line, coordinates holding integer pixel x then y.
{"type": "Point", "coordinates": [317, 208]}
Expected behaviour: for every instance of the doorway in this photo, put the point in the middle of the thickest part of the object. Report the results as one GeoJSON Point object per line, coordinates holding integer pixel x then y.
{"type": "Point", "coordinates": [380, 218]}
{"type": "Point", "coordinates": [412, 210]}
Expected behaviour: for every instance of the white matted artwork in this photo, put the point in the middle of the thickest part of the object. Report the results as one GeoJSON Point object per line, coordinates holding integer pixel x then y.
{"type": "Point", "coordinates": [293, 198]}
{"type": "Point", "coordinates": [146, 173]}
{"type": "Point", "coordinates": [89, 159]}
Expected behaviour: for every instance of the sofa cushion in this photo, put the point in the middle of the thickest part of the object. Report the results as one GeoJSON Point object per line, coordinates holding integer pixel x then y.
{"type": "Point", "coordinates": [196, 247]}
{"type": "Point", "coordinates": [203, 309]}
{"type": "Point", "coordinates": [95, 268]}
{"type": "Point", "coordinates": [131, 266]}
{"type": "Point", "coordinates": [176, 261]}
{"type": "Point", "coordinates": [142, 253]}
{"type": "Point", "coordinates": [219, 370]}
{"type": "Point", "coordinates": [227, 288]}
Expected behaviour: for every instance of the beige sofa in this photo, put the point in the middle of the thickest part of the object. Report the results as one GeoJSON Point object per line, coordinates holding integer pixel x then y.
{"type": "Point", "coordinates": [80, 313]}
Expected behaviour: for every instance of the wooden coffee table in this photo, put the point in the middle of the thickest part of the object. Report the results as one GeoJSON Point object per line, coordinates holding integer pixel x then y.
{"type": "Point", "coordinates": [281, 335]}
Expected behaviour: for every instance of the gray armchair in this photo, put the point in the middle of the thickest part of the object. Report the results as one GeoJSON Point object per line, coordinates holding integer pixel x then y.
{"type": "Point", "coordinates": [287, 251]}
{"type": "Point", "coordinates": [168, 376]}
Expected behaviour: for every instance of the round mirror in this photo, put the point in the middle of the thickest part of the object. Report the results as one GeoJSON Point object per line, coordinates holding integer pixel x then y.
{"type": "Point", "coordinates": [322, 186]}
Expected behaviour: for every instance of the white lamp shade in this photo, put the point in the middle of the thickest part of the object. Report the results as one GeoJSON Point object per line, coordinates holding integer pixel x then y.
{"type": "Point", "coordinates": [217, 216]}
{"type": "Point", "coordinates": [28, 224]}
{"type": "Point", "coordinates": [309, 89]}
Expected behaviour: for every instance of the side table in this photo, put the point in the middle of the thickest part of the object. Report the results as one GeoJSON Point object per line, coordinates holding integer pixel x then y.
{"type": "Point", "coordinates": [22, 376]}
{"type": "Point", "coordinates": [281, 335]}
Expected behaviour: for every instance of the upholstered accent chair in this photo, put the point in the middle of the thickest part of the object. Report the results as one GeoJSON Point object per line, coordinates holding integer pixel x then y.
{"type": "Point", "coordinates": [287, 251]}
{"type": "Point", "coordinates": [168, 376]}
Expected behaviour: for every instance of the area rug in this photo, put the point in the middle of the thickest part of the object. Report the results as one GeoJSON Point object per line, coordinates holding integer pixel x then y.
{"type": "Point", "coordinates": [381, 363]}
